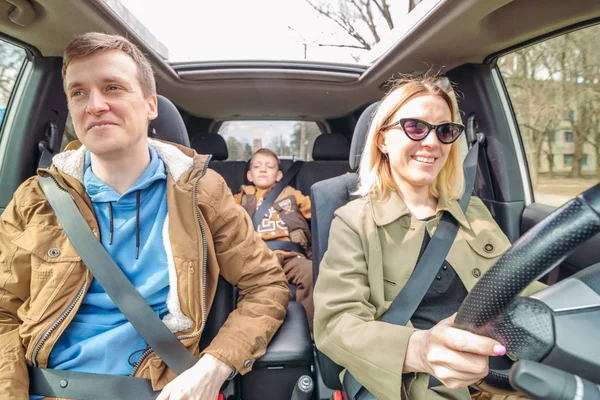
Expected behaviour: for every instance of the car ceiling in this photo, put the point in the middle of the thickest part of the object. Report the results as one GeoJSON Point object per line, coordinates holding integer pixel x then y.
{"type": "Point", "coordinates": [454, 33]}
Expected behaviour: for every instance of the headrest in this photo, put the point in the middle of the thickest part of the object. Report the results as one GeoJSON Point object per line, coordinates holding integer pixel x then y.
{"type": "Point", "coordinates": [330, 146]}
{"type": "Point", "coordinates": [210, 143]}
{"type": "Point", "coordinates": [169, 125]}
{"type": "Point", "coordinates": [360, 135]}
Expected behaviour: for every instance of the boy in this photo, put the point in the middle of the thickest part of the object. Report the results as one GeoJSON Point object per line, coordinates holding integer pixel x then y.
{"type": "Point", "coordinates": [284, 221]}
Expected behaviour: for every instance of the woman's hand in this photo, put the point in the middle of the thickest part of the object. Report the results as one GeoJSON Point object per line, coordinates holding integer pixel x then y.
{"type": "Point", "coordinates": [202, 381]}
{"type": "Point", "coordinates": [457, 358]}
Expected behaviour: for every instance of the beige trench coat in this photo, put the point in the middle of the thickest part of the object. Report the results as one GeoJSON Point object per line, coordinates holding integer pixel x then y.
{"type": "Point", "coordinates": [373, 249]}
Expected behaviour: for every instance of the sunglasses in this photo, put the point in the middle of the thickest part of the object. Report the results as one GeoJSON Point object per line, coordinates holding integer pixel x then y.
{"type": "Point", "coordinates": [418, 130]}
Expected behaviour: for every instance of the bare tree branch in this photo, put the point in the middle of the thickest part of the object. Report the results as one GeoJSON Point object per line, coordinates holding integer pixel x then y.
{"type": "Point", "coordinates": [411, 5]}
{"type": "Point", "coordinates": [384, 9]}
{"type": "Point", "coordinates": [350, 46]}
{"type": "Point", "coordinates": [351, 14]}
{"type": "Point", "coordinates": [342, 21]}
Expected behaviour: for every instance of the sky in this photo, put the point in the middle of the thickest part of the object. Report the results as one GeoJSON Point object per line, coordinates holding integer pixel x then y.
{"type": "Point", "coordinates": [266, 131]}
{"type": "Point", "coordinates": [244, 29]}
{"type": "Point", "coordinates": [200, 30]}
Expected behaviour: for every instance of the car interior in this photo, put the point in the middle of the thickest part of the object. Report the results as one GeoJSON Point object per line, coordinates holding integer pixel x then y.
{"type": "Point", "coordinates": [462, 39]}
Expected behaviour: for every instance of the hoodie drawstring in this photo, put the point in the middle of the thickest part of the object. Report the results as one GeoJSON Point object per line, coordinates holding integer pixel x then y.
{"type": "Point", "coordinates": [110, 213]}
{"type": "Point", "coordinates": [137, 223]}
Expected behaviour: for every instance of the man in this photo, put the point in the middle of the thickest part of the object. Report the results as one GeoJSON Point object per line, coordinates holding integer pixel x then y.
{"type": "Point", "coordinates": [169, 223]}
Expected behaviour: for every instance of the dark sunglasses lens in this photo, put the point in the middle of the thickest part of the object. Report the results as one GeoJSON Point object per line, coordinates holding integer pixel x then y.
{"type": "Point", "coordinates": [415, 129]}
{"type": "Point", "coordinates": [447, 133]}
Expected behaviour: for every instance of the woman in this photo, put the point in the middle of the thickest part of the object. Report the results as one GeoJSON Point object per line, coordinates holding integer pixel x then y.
{"type": "Point", "coordinates": [410, 173]}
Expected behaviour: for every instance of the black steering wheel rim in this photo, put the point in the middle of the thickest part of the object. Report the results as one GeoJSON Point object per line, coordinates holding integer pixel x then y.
{"type": "Point", "coordinates": [537, 252]}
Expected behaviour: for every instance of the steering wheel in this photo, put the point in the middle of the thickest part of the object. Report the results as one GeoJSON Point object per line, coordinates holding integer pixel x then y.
{"type": "Point", "coordinates": [528, 326]}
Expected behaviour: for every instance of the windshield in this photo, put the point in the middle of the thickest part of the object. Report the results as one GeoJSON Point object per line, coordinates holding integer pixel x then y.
{"type": "Point", "coordinates": [332, 31]}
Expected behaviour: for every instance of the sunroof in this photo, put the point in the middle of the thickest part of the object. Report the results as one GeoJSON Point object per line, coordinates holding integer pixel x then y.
{"type": "Point", "coordinates": [331, 31]}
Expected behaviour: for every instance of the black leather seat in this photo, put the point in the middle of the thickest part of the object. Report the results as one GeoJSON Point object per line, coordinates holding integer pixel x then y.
{"type": "Point", "coordinates": [330, 159]}
{"type": "Point", "coordinates": [327, 196]}
{"type": "Point", "coordinates": [223, 304]}
{"type": "Point", "coordinates": [169, 125]}
{"type": "Point", "coordinates": [234, 172]}
{"type": "Point", "coordinates": [288, 357]}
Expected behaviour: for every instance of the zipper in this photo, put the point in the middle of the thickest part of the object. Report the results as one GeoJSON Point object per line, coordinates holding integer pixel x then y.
{"type": "Point", "coordinates": [47, 174]}
{"type": "Point", "coordinates": [149, 350]}
{"type": "Point", "coordinates": [55, 325]}
{"type": "Point", "coordinates": [71, 306]}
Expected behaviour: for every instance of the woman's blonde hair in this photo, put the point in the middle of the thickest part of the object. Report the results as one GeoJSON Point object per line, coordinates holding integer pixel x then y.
{"type": "Point", "coordinates": [375, 175]}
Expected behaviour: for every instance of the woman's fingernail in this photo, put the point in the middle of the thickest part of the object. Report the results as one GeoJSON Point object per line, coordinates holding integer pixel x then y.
{"type": "Point", "coordinates": [499, 350]}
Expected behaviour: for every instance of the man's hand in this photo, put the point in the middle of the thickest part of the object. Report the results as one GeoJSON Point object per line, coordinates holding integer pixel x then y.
{"type": "Point", "coordinates": [202, 381]}
{"type": "Point", "coordinates": [456, 357]}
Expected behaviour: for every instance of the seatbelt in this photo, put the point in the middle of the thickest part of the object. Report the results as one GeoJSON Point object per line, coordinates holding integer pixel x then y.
{"type": "Point", "coordinates": [274, 193]}
{"type": "Point", "coordinates": [84, 385]}
{"type": "Point", "coordinates": [483, 164]}
{"type": "Point", "coordinates": [406, 302]}
{"type": "Point", "coordinates": [113, 280]}
{"type": "Point", "coordinates": [285, 246]}
{"type": "Point", "coordinates": [49, 146]}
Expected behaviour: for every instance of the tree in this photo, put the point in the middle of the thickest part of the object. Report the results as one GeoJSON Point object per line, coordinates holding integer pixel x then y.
{"type": "Point", "coordinates": [11, 59]}
{"type": "Point", "coordinates": [233, 148]}
{"type": "Point", "coordinates": [582, 92]}
{"type": "Point", "coordinates": [279, 146]}
{"type": "Point", "coordinates": [247, 151]}
{"type": "Point", "coordinates": [534, 98]}
{"type": "Point", "coordinates": [303, 138]}
{"type": "Point", "coordinates": [352, 15]}
{"type": "Point", "coordinates": [555, 87]}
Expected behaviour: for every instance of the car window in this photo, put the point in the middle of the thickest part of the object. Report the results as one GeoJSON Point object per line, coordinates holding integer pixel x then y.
{"type": "Point", "coordinates": [288, 139]}
{"type": "Point", "coordinates": [554, 88]}
{"type": "Point", "coordinates": [11, 61]}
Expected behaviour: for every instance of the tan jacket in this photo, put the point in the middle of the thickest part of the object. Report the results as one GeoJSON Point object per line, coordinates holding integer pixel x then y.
{"type": "Point", "coordinates": [209, 237]}
{"type": "Point", "coordinates": [373, 249]}
{"type": "Point", "coordinates": [286, 219]}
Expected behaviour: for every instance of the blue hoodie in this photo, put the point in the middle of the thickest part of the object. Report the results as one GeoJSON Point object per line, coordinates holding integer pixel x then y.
{"type": "Point", "coordinates": [100, 339]}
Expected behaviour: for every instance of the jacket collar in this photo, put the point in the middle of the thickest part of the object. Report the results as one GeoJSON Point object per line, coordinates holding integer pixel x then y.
{"type": "Point", "coordinates": [177, 159]}
{"type": "Point", "coordinates": [248, 189]}
{"type": "Point", "coordinates": [386, 212]}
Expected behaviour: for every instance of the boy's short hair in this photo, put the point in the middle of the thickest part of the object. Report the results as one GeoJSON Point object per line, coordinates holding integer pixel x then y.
{"type": "Point", "coordinates": [266, 152]}
{"type": "Point", "coordinates": [93, 43]}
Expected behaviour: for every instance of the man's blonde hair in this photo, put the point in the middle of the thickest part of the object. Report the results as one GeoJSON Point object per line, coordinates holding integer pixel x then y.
{"type": "Point", "coordinates": [375, 175]}
{"type": "Point", "coordinates": [92, 43]}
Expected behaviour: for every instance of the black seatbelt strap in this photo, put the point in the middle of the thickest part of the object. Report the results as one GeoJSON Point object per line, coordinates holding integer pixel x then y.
{"type": "Point", "coordinates": [274, 193]}
{"type": "Point", "coordinates": [406, 302]}
{"type": "Point", "coordinates": [285, 246]}
{"type": "Point", "coordinates": [483, 163]}
{"type": "Point", "coordinates": [50, 145]}
{"type": "Point", "coordinates": [113, 280]}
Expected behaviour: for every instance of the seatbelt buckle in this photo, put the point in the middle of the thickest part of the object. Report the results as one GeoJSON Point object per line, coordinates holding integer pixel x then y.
{"type": "Point", "coordinates": [221, 396]}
